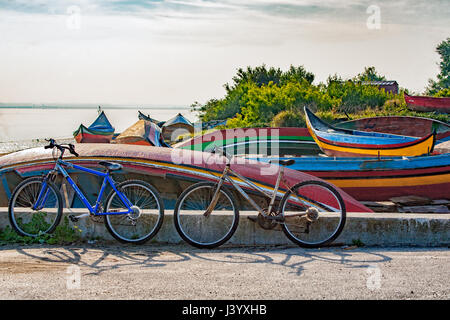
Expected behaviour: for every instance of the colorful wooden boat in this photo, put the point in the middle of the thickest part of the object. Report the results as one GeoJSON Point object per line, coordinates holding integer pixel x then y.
{"type": "Point", "coordinates": [342, 142]}
{"type": "Point", "coordinates": [169, 170]}
{"type": "Point", "coordinates": [145, 133]}
{"type": "Point", "coordinates": [142, 116]}
{"type": "Point", "coordinates": [428, 104]}
{"type": "Point", "coordinates": [100, 131]}
{"type": "Point", "coordinates": [373, 179]}
{"type": "Point", "coordinates": [175, 127]}
{"type": "Point", "coordinates": [256, 141]}
{"type": "Point", "coordinates": [400, 125]}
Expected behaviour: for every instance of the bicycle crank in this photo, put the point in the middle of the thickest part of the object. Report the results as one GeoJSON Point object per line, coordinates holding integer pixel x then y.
{"type": "Point", "coordinates": [267, 222]}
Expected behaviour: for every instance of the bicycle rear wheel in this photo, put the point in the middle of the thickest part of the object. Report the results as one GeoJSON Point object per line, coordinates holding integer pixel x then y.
{"type": "Point", "coordinates": [27, 221]}
{"type": "Point", "coordinates": [203, 231]}
{"type": "Point", "coordinates": [314, 214]}
{"type": "Point", "coordinates": [146, 219]}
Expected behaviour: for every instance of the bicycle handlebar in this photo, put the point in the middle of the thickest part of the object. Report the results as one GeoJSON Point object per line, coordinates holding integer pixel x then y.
{"type": "Point", "coordinates": [52, 144]}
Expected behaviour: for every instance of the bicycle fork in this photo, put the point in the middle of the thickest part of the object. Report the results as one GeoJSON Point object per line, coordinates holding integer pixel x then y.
{"type": "Point", "coordinates": [43, 196]}
{"type": "Point", "coordinates": [215, 198]}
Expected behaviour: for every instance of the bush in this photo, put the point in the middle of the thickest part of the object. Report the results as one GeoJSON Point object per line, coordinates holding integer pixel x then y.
{"type": "Point", "coordinates": [289, 118]}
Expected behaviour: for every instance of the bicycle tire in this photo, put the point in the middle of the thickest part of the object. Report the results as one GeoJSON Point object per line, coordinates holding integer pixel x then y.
{"type": "Point", "coordinates": [160, 213]}
{"type": "Point", "coordinates": [336, 232]}
{"type": "Point", "coordinates": [187, 238]}
{"type": "Point", "coordinates": [14, 200]}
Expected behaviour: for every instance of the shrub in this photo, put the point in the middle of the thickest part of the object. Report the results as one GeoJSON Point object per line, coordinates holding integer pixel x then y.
{"type": "Point", "coordinates": [289, 118]}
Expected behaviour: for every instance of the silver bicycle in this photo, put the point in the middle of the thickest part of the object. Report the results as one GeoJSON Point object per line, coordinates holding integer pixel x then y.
{"type": "Point", "coordinates": [311, 213]}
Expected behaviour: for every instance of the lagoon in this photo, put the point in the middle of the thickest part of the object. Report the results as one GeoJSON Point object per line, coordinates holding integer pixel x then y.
{"type": "Point", "coordinates": [22, 126]}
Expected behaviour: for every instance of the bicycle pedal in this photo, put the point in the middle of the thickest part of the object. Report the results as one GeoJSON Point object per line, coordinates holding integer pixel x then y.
{"type": "Point", "coordinates": [77, 218]}
{"type": "Point", "coordinates": [73, 218]}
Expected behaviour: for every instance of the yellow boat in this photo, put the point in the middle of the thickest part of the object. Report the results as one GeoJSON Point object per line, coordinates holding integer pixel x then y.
{"type": "Point", "coordinates": [337, 142]}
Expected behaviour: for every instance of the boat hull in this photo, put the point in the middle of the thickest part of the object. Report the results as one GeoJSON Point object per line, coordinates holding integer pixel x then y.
{"type": "Point", "coordinates": [349, 143]}
{"type": "Point", "coordinates": [400, 125]}
{"type": "Point", "coordinates": [374, 179]}
{"type": "Point", "coordinates": [428, 104]}
{"type": "Point", "coordinates": [262, 141]}
{"type": "Point", "coordinates": [170, 170]}
{"type": "Point", "coordinates": [84, 135]}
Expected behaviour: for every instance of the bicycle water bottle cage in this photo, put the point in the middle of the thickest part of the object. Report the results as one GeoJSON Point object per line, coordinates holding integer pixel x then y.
{"type": "Point", "coordinates": [110, 166]}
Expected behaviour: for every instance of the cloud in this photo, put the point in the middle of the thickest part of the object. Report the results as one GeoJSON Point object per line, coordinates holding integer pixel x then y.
{"type": "Point", "coordinates": [146, 50]}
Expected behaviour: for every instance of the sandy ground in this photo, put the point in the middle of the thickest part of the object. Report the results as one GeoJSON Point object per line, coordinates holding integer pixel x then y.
{"type": "Point", "coordinates": [159, 271]}
{"type": "Point", "coordinates": [13, 146]}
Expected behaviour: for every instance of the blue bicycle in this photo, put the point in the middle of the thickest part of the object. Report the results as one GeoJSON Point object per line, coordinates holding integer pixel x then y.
{"type": "Point", "coordinates": [133, 211]}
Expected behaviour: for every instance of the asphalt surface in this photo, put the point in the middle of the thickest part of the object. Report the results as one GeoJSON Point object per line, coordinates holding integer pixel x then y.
{"type": "Point", "coordinates": [156, 271]}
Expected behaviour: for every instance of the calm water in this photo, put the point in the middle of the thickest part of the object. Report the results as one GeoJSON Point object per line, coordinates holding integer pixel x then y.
{"type": "Point", "coordinates": [20, 127]}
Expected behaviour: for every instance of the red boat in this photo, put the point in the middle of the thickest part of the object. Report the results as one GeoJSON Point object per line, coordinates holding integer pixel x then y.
{"type": "Point", "coordinates": [428, 104]}
{"type": "Point", "coordinates": [100, 131]}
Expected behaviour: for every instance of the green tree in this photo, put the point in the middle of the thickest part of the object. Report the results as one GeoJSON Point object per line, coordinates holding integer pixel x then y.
{"type": "Point", "coordinates": [443, 78]}
{"type": "Point", "coordinates": [369, 74]}
{"type": "Point", "coordinates": [261, 75]}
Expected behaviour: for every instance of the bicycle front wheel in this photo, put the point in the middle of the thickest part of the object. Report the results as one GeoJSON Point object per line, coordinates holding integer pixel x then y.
{"type": "Point", "coordinates": [314, 214]}
{"type": "Point", "coordinates": [30, 222]}
{"type": "Point", "coordinates": [146, 219]}
{"type": "Point", "coordinates": [205, 230]}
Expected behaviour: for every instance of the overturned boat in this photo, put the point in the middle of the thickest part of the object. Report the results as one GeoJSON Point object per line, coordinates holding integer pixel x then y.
{"type": "Point", "coordinates": [169, 170]}
{"type": "Point", "coordinates": [144, 133]}
{"type": "Point", "coordinates": [175, 127]}
{"type": "Point", "coordinates": [100, 131]}
{"type": "Point", "coordinates": [142, 116]}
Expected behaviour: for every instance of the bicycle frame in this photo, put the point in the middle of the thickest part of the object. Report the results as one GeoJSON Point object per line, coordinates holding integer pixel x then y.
{"type": "Point", "coordinates": [59, 167]}
{"type": "Point", "coordinates": [225, 176]}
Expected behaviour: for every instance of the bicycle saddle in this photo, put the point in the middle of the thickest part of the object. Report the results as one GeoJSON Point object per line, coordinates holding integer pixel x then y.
{"type": "Point", "coordinates": [111, 166]}
{"type": "Point", "coordinates": [283, 162]}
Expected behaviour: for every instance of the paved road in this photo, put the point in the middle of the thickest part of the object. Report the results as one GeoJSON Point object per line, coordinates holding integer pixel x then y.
{"type": "Point", "coordinates": [158, 271]}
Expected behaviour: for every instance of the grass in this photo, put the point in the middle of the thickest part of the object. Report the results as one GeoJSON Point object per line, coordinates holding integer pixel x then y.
{"type": "Point", "coordinates": [64, 233]}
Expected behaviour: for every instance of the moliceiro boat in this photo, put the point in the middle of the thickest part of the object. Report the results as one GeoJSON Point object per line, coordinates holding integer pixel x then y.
{"type": "Point", "coordinates": [100, 131]}
{"type": "Point", "coordinates": [374, 179]}
{"type": "Point", "coordinates": [347, 143]}
{"type": "Point", "coordinates": [428, 104]}
{"type": "Point", "coordinates": [256, 141]}
{"type": "Point", "coordinates": [400, 125]}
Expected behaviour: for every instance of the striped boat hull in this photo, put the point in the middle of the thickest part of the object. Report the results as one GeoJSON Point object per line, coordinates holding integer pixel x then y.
{"type": "Point", "coordinates": [170, 170]}
{"type": "Point", "coordinates": [372, 179]}
{"type": "Point", "coordinates": [347, 143]}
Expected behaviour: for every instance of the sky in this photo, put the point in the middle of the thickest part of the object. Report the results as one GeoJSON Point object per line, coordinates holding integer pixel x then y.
{"type": "Point", "coordinates": [176, 52]}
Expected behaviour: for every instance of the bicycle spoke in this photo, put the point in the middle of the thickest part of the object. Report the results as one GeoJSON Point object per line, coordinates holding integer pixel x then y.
{"type": "Point", "coordinates": [314, 214]}
{"type": "Point", "coordinates": [210, 230]}
{"type": "Point", "coordinates": [143, 222]}
{"type": "Point", "coordinates": [29, 222]}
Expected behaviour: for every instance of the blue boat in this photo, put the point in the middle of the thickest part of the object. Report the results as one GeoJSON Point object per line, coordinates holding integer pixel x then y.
{"type": "Point", "coordinates": [379, 179]}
